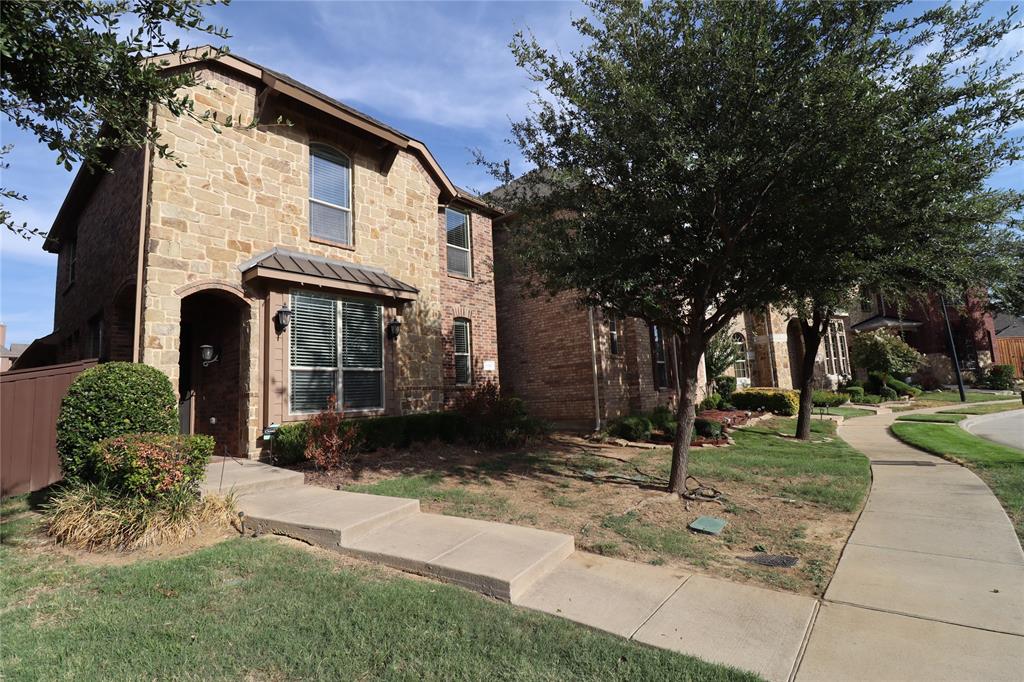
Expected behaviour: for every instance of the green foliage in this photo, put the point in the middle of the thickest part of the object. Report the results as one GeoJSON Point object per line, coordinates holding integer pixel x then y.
{"type": "Point", "coordinates": [775, 400]}
{"type": "Point", "coordinates": [152, 465]}
{"type": "Point", "coordinates": [868, 399]}
{"type": "Point", "coordinates": [719, 355]}
{"type": "Point", "coordinates": [707, 428]}
{"type": "Point", "coordinates": [854, 391]}
{"type": "Point", "coordinates": [888, 393]}
{"type": "Point", "coordinates": [725, 386]}
{"type": "Point", "coordinates": [661, 418]}
{"type": "Point", "coordinates": [76, 76]}
{"type": "Point", "coordinates": [880, 351]}
{"type": "Point", "coordinates": [1000, 377]}
{"type": "Point", "coordinates": [112, 399]}
{"type": "Point", "coordinates": [289, 444]}
{"type": "Point", "coordinates": [830, 398]}
{"type": "Point", "coordinates": [632, 428]}
{"type": "Point", "coordinates": [712, 402]}
{"type": "Point", "coordinates": [496, 420]}
{"type": "Point", "coordinates": [878, 381]}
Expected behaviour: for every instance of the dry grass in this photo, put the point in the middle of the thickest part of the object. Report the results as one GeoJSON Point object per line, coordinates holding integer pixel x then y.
{"type": "Point", "coordinates": [90, 518]}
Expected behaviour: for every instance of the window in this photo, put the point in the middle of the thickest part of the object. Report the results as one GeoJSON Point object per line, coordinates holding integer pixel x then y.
{"type": "Point", "coordinates": [658, 356]}
{"type": "Point", "coordinates": [740, 367]}
{"type": "Point", "coordinates": [95, 336]}
{"type": "Point", "coordinates": [330, 195]}
{"type": "Point", "coordinates": [459, 261]}
{"type": "Point", "coordinates": [337, 348]}
{"type": "Point", "coordinates": [71, 254]}
{"type": "Point", "coordinates": [463, 352]}
{"type": "Point", "coordinates": [837, 356]}
{"type": "Point", "coordinates": [614, 341]}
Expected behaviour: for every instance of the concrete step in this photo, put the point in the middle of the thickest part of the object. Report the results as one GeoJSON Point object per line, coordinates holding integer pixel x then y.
{"type": "Point", "coordinates": [243, 476]}
{"type": "Point", "coordinates": [327, 518]}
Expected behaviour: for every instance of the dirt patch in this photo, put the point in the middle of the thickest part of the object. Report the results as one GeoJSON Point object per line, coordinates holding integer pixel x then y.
{"type": "Point", "coordinates": [612, 499]}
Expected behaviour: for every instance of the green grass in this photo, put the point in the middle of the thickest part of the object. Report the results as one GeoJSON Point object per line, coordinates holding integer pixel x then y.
{"type": "Point", "coordinates": [985, 409]}
{"type": "Point", "coordinates": [257, 609]}
{"type": "Point", "coordinates": [847, 412]}
{"type": "Point", "coordinates": [425, 487]}
{"type": "Point", "coordinates": [675, 542]}
{"type": "Point", "coordinates": [1001, 467]}
{"type": "Point", "coordinates": [938, 418]}
{"type": "Point", "coordinates": [954, 397]}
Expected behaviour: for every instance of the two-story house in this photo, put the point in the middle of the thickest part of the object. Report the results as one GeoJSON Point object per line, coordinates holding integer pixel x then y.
{"type": "Point", "coordinates": [281, 264]}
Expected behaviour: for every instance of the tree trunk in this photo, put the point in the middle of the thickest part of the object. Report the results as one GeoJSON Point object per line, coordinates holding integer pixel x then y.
{"type": "Point", "coordinates": [812, 333]}
{"type": "Point", "coordinates": [686, 413]}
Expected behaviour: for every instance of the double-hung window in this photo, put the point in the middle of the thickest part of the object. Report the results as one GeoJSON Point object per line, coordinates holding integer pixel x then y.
{"type": "Point", "coordinates": [658, 357]}
{"type": "Point", "coordinates": [330, 195]}
{"type": "Point", "coordinates": [740, 367]}
{"type": "Point", "coordinates": [337, 349]}
{"type": "Point", "coordinates": [614, 340]}
{"type": "Point", "coordinates": [460, 261]}
{"type": "Point", "coordinates": [461, 340]}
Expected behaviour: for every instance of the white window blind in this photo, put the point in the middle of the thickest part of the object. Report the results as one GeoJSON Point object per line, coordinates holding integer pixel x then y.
{"type": "Point", "coordinates": [337, 349]}
{"type": "Point", "coordinates": [463, 355]}
{"type": "Point", "coordinates": [459, 258]}
{"type": "Point", "coordinates": [330, 195]}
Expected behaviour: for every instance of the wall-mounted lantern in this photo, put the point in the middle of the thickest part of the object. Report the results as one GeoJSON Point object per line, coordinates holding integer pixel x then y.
{"type": "Point", "coordinates": [282, 318]}
{"type": "Point", "coordinates": [394, 328]}
{"type": "Point", "coordinates": [208, 354]}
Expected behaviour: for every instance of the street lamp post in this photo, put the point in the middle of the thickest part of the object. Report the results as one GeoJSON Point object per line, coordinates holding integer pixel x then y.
{"type": "Point", "coordinates": [952, 352]}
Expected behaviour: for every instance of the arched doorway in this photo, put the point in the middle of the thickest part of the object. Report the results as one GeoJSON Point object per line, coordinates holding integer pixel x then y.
{"type": "Point", "coordinates": [795, 346]}
{"type": "Point", "coordinates": [210, 387]}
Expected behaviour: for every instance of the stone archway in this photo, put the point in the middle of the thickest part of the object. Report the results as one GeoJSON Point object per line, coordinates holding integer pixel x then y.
{"type": "Point", "coordinates": [211, 392]}
{"type": "Point", "coordinates": [795, 348]}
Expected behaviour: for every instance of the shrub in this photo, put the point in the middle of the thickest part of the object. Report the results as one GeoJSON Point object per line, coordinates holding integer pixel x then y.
{"type": "Point", "coordinates": [289, 444]}
{"type": "Point", "coordinates": [493, 419]}
{"type": "Point", "coordinates": [853, 391]}
{"type": "Point", "coordinates": [889, 393]}
{"type": "Point", "coordinates": [1000, 377]}
{"type": "Point", "coordinates": [330, 440]}
{"type": "Point", "coordinates": [89, 516]}
{"type": "Point", "coordinates": [632, 428]}
{"type": "Point", "coordinates": [707, 428]}
{"type": "Point", "coordinates": [902, 387]}
{"type": "Point", "coordinates": [151, 465]}
{"type": "Point", "coordinates": [775, 400]}
{"type": "Point", "coordinates": [662, 418]}
{"type": "Point", "coordinates": [829, 398]}
{"type": "Point", "coordinates": [712, 402]}
{"type": "Point", "coordinates": [880, 351]}
{"type": "Point", "coordinates": [108, 400]}
{"type": "Point", "coordinates": [726, 386]}
{"type": "Point", "coordinates": [868, 399]}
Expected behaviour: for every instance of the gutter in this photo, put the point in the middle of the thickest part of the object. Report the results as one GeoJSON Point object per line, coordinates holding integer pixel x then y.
{"type": "Point", "coordinates": [593, 360]}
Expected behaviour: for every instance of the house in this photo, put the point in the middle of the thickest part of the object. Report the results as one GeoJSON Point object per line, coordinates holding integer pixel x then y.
{"type": "Point", "coordinates": [922, 325]}
{"type": "Point", "coordinates": [319, 252]}
{"type": "Point", "coordinates": [9, 355]}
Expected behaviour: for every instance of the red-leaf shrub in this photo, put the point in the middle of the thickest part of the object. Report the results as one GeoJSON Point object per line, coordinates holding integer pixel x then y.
{"type": "Point", "coordinates": [152, 465]}
{"type": "Point", "coordinates": [330, 440]}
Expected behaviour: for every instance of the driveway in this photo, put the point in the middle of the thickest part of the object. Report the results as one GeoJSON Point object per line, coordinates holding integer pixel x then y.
{"type": "Point", "coordinates": [1005, 428]}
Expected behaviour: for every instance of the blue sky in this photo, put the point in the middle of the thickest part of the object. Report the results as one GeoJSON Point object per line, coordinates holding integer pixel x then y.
{"type": "Point", "coordinates": [441, 72]}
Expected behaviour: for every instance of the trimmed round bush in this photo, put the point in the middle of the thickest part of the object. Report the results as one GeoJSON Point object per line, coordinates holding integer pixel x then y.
{"type": "Point", "coordinates": [854, 391]}
{"type": "Point", "coordinates": [152, 465]}
{"type": "Point", "coordinates": [630, 428]}
{"type": "Point", "coordinates": [1000, 377]}
{"type": "Point", "coordinates": [781, 401]}
{"type": "Point", "coordinates": [707, 428]}
{"type": "Point", "coordinates": [109, 400]}
{"type": "Point", "coordinates": [888, 393]}
{"type": "Point", "coordinates": [829, 398]}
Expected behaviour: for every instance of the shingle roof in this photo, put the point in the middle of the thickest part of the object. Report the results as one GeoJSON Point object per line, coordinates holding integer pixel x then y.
{"type": "Point", "coordinates": [305, 265]}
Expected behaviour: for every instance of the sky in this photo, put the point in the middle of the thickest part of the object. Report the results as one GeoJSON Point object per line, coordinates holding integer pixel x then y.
{"type": "Point", "coordinates": [441, 72]}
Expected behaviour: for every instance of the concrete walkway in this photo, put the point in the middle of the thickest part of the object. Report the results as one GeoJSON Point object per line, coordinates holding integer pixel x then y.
{"type": "Point", "coordinates": [1005, 428]}
{"type": "Point", "coordinates": [931, 583]}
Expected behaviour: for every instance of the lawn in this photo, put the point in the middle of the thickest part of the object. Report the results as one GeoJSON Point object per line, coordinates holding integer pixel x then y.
{"type": "Point", "coordinates": [847, 412]}
{"type": "Point", "coordinates": [939, 398]}
{"type": "Point", "coordinates": [938, 418]}
{"type": "Point", "coordinates": [1001, 467]}
{"type": "Point", "coordinates": [985, 409]}
{"type": "Point", "coordinates": [780, 496]}
{"type": "Point", "coordinates": [264, 609]}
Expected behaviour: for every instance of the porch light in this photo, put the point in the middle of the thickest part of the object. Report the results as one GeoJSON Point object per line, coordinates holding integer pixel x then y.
{"type": "Point", "coordinates": [282, 318]}
{"type": "Point", "coordinates": [208, 354]}
{"type": "Point", "coordinates": [394, 328]}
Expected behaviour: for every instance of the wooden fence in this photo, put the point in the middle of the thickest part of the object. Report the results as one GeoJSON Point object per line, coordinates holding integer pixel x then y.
{"type": "Point", "coordinates": [1010, 351]}
{"type": "Point", "coordinates": [29, 403]}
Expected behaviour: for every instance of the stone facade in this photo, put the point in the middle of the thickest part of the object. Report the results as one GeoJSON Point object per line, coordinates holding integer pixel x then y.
{"type": "Point", "coordinates": [231, 196]}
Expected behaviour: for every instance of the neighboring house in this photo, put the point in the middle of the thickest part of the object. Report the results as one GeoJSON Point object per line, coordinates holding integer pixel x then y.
{"type": "Point", "coordinates": [8, 356]}
{"type": "Point", "coordinates": [282, 264]}
{"type": "Point", "coordinates": [923, 326]}
{"type": "Point", "coordinates": [1010, 341]}
{"type": "Point", "coordinates": [1008, 326]}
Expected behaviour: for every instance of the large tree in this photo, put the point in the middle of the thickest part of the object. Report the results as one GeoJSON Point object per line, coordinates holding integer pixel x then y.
{"type": "Point", "coordinates": [689, 155]}
{"type": "Point", "coordinates": [79, 75]}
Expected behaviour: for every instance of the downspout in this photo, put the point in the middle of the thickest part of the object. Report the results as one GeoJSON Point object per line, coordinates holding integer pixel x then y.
{"type": "Point", "coordinates": [772, 359]}
{"type": "Point", "coordinates": [593, 361]}
{"type": "Point", "coordinates": [675, 361]}
{"type": "Point", "coordinates": [141, 264]}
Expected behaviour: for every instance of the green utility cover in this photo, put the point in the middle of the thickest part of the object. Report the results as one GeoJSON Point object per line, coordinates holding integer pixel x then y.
{"type": "Point", "coordinates": [708, 524]}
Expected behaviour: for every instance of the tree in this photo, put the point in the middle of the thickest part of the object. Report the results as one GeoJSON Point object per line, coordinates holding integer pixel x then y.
{"type": "Point", "coordinates": [880, 351]}
{"type": "Point", "coordinates": [688, 153]}
{"type": "Point", "coordinates": [927, 220]}
{"type": "Point", "coordinates": [721, 353]}
{"type": "Point", "coordinates": [80, 76]}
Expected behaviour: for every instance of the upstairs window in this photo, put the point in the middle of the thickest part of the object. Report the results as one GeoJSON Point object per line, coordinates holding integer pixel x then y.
{"type": "Point", "coordinates": [614, 341]}
{"type": "Point", "coordinates": [658, 357]}
{"type": "Point", "coordinates": [740, 367]}
{"type": "Point", "coordinates": [330, 195]}
{"type": "Point", "coordinates": [71, 258]}
{"type": "Point", "coordinates": [463, 352]}
{"type": "Point", "coordinates": [459, 260]}
{"type": "Point", "coordinates": [336, 348]}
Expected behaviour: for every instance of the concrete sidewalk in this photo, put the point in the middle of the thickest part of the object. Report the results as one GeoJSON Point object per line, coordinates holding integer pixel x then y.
{"type": "Point", "coordinates": [931, 583]}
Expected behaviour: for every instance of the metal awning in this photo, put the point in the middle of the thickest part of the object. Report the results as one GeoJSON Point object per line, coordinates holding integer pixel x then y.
{"type": "Point", "coordinates": [885, 322]}
{"type": "Point", "coordinates": [300, 268]}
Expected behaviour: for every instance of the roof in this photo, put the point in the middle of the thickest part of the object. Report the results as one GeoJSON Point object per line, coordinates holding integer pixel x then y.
{"type": "Point", "coordinates": [300, 268]}
{"type": "Point", "coordinates": [1008, 326]}
{"type": "Point", "coordinates": [884, 322]}
{"type": "Point", "coordinates": [284, 85]}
